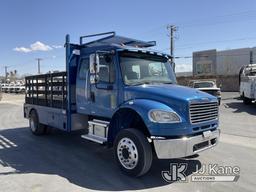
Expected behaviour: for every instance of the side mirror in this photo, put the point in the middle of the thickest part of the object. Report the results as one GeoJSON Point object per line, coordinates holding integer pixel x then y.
{"type": "Point", "coordinates": [94, 67]}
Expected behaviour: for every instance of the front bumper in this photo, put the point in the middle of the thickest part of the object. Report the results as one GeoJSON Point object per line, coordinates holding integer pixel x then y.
{"type": "Point", "coordinates": [176, 148]}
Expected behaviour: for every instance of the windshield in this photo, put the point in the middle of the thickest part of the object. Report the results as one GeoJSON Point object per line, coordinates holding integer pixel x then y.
{"type": "Point", "coordinates": [141, 68]}
{"type": "Point", "coordinates": [203, 85]}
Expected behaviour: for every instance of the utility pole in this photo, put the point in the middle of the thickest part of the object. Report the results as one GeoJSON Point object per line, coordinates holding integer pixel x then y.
{"type": "Point", "coordinates": [38, 64]}
{"type": "Point", "coordinates": [6, 73]}
{"type": "Point", "coordinates": [251, 57]}
{"type": "Point", "coordinates": [172, 29]}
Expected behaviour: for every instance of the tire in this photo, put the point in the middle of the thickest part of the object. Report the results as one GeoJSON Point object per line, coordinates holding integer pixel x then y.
{"type": "Point", "coordinates": [47, 130]}
{"type": "Point", "coordinates": [36, 127]}
{"type": "Point", "coordinates": [133, 152]}
{"type": "Point", "coordinates": [246, 100]}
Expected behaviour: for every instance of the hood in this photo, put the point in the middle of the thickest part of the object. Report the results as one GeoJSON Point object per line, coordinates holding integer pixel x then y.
{"type": "Point", "coordinates": [172, 95]}
{"type": "Point", "coordinates": [168, 91]}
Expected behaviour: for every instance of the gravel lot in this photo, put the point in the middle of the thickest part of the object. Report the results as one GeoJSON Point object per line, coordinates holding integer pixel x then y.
{"type": "Point", "coordinates": [65, 162]}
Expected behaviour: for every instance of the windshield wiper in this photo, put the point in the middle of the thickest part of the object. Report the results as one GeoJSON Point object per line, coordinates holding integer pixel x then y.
{"type": "Point", "coordinates": [151, 82]}
{"type": "Point", "coordinates": [141, 83]}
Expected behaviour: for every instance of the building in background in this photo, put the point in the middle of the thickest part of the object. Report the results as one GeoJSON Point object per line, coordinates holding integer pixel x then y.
{"type": "Point", "coordinates": [227, 62]}
{"type": "Point", "coordinates": [223, 66]}
{"type": "Point", "coordinates": [204, 62]}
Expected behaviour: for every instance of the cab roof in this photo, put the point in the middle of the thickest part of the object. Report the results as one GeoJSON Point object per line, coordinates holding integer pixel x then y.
{"type": "Point", "coordinates": [112, 38]}
{"type": "Point", "coordinates": [120, 43]}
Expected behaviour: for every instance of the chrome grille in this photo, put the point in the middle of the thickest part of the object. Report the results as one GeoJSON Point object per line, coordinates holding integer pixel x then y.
{"type": "Point", "coordinates": [202, 112]}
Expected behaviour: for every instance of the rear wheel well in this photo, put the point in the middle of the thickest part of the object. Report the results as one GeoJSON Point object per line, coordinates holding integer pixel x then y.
{"type": "Point", "coordinates": [123, 119]}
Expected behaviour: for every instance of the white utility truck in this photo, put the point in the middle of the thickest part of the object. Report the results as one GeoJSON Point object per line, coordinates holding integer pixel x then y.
{"type": "Point", "coordinates": [247, 81]}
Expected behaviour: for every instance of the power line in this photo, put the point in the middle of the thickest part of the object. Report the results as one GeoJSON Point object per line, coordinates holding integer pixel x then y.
{"type": "Point", "coordinates": [194, 23]}
{"type": "Point", "coordinates": [209, 42]}
{"type": "Point", "coordinates": [218, 41]}
{"type": "Point", "coordinates": [30, 62]}
{"type": "Point", "coordinates": [215, 23]}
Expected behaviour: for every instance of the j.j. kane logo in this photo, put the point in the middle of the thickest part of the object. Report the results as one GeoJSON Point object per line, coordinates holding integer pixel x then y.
{"type": "Point", "coordinates": [205, 173]}
{"type": "Point", "coordinates": [176, 172]}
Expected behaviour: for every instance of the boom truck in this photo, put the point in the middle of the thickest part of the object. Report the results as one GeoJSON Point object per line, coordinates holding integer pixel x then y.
{"type": "Point", "coordinates": [247, 82]}
{"type": "Point", "coordinates": [123, 95]}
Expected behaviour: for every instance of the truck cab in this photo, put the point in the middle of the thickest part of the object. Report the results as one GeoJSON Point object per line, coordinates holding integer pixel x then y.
{"type": "Point", "coordinates": [123, 95]}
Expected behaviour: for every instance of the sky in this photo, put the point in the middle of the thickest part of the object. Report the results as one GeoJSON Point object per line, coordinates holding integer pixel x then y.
{"type": "Point", "coordinates": [33, 29]}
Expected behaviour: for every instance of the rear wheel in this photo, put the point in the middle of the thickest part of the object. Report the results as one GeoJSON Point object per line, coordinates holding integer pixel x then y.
{"type": "Point", "coordinates": [36, 127]}
{"type": "Point", "coordinates": [246, 100]}
{"type": "Point", "coordinates": [133, 152]}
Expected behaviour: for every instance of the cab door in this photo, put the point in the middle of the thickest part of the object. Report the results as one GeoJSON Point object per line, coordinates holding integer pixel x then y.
{"type": "Point", "coordinates": [104, 90]}
{"type": "Point", "coordinates": [83, 86]}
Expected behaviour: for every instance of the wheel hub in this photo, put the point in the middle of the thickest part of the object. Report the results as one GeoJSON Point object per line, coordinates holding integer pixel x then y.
{"type": "Point", "coordinates": [127, 153]}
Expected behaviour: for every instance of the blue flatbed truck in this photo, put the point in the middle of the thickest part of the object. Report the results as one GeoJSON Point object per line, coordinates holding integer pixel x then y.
{"type": "Point", "coordinates": [124, 95]}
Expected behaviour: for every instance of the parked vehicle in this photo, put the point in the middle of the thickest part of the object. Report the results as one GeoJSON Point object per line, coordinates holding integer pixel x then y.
{"type": "Point", "coordinates": [19, 88]}
{"type": "Point", "coordinates": [247, 81]}
{"type": "Point", "coordinates": [123, 95]}
{"type": "Point", "coordinates": [208, 86]}
{"type": "Point", "coordinates": [11, 88]}
{"type": "Point", "coordinates": [5, 87]}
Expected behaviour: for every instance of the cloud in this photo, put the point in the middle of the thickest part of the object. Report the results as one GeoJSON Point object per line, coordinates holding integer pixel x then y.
{"type": "Point", "coordinates": [37, 46]}
{"type": "Point", "coordinates": [57, 46]}
{"type": "Point", "coordinates": [22, 49]}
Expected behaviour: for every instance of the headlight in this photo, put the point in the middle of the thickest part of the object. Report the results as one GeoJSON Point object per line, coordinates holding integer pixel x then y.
{"type": "Point", "coordinates": [160, 116]}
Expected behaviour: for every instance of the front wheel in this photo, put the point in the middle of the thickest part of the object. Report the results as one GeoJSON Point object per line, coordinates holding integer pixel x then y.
{"type": "Point", "coordinates": [133, 152]}
{"type": "Point", "coordinates": [247, 101]}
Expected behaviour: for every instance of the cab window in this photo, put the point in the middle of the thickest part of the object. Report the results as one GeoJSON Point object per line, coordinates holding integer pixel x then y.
{"type": "Point", "coordinates": [106, 69]}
